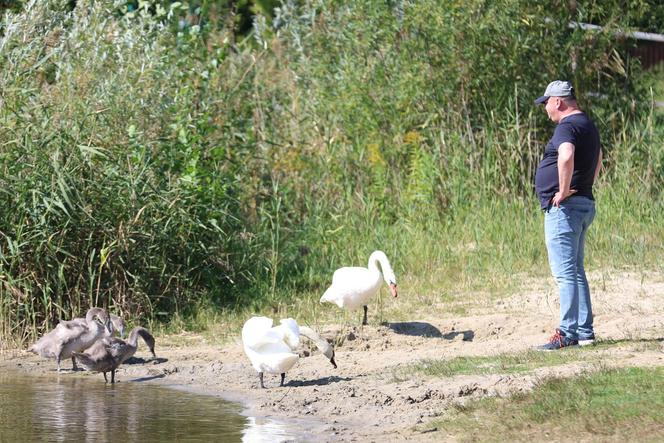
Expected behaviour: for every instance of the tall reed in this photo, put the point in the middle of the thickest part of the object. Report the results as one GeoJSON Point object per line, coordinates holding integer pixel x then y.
{"type": "Point", "coordinates": [160, 171]}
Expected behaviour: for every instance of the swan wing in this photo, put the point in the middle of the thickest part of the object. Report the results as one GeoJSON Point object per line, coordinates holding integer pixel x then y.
{"type": "Point", "coordinates": [258, 331]}
{"type": "Point", "coordinates": [120, 350]}
{"type": "Point", "coordinates": [278, 363]}
{"type": "Point", "coordinates": [62, 334]}
{"type": "Point", "coordinates": [98, 350]}
{"type": "Point", "coordinates": [101, 363]}
{"type": "Point", "coordinates": [354, 274]}
{"type": "Point", "coordinates": [47, 345]}
{"type": "Point", "coordinates": [270, 348]}
{"type": "Point", "coordinates": [352, 287]}
{"type": "Point", "coordinates": [63, 339]}
{"type": "Point", "coordinates": [72, 323]}
{"type": "Point", "coordinates": [114, 345]}
{"type": "Point", "coordinates": [254, 330]}
{"type": "Point", "coordinates": [290, 332]}
{"type": "Point", "coordinates": [274, 358]}
{"type": "Point", "coordinates": [273, 363]}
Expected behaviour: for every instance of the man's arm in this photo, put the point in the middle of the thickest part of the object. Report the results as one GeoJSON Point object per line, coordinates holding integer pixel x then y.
{"type": "Point", "coordinates": [599, 165]}
{"type": "Point", "coordinates": [565, 171]}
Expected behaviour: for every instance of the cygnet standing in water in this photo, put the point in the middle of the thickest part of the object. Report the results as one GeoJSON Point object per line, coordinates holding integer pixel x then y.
{"type": "Point", "coordinates": [110, 352]}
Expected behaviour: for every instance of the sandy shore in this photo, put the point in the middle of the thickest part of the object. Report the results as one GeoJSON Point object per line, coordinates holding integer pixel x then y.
{"type": "Point", "coordinates": [368, 398]}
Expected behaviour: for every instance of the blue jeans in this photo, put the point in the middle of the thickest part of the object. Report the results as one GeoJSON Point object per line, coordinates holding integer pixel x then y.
{"type": "Point", "coordinates": [565, 230]}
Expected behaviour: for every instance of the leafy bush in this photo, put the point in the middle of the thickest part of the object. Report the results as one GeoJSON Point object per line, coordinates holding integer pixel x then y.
{"type": "Point", "coordinates": [157, 169]}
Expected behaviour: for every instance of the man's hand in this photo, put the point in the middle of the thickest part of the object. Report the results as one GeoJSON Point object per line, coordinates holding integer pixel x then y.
{"type": "Point", "coordinates": [558, 197]}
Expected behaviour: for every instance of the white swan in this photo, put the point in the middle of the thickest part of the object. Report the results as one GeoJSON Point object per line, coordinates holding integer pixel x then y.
{"type": "Point", "coordinates": [271, 349]}
{"type": "Point", "coordinates": [69, 337]}
{"type": "Point", "coordinates": [352, 287]}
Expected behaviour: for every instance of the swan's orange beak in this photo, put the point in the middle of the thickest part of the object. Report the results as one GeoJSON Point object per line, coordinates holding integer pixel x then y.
{"type": "Point", "coordinates": [393, 288]}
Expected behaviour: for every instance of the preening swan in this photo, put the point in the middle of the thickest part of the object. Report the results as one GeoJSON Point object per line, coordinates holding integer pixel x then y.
{"type": "Point", "coordinates": [272, 349]}
{"type": "Point", "coordinates": [109, 353]}
{"type": "Point", "coordinates": [352, 287]}
{"type": "Point", "coordinates": [69, 337]}
{"type": "Point", "coordinates": [116, 321]}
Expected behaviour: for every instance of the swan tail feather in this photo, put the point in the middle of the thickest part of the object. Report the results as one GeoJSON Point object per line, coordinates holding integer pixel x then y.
{"type": "Point", "coordinates": [331, 295]}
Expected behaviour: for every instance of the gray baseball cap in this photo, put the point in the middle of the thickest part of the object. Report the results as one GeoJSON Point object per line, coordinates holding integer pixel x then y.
{"type": "Point", "coordinates": [558, 88]}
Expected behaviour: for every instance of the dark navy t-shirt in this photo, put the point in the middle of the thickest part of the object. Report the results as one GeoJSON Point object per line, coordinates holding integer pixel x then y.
{"type": "Point", "coordinates": [579, 130]}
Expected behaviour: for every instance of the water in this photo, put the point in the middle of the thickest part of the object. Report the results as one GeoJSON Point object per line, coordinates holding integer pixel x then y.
{"type": "Point", "coordinates": [58, 408]}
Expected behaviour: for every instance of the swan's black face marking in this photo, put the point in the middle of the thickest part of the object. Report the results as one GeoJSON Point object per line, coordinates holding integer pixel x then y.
{"type": "Point", "coordinates": [332, 361]}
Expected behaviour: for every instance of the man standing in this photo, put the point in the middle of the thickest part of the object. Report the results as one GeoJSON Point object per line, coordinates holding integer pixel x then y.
{"type": "Point", "coordinates": [564, 185]}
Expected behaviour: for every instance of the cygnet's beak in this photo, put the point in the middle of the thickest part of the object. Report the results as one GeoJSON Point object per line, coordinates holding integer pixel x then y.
{"type": "Point", "coordinates": [332, 361]}
{"type": "Point", "coordinates": [393, 288]}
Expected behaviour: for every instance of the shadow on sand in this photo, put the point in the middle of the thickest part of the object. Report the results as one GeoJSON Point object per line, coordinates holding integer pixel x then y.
{"type": "Point", "coordinates": [423, 329]}
{"type": "Point", "coordinates": [151, 377]}
{"type": "Point", "coordinates": [467, 335]}
{"type": "Point", "coordinates": [142, 361]}
{"type": "Point", "coordinates": [415, 328]}
{"type": "Point", "coordinates": [320, 382]}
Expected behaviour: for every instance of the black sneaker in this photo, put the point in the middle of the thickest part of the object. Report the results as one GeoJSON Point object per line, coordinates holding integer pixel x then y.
{"type": "Point", "coordinates": [558, 341]}
{"type": "Point", "coordinates": [587, 341]}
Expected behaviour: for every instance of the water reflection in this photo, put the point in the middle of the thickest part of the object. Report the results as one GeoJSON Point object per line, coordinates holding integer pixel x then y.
{"type": "Point", "coordinates": [264, 430]}
{"type": "Point", "coordinates": [66, 408]}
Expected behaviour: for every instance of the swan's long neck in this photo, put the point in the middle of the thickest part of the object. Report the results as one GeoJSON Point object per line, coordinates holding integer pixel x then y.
{"type": "Point", "coordinates": [144, 334]}
{"type": "Point", "coordinates": [118, 324]}
{"type": "Point", "coordinates": [132, 340]}
{"type": "Point", "coordinates": [322, 344]}
{"type": "Point", "coordinates": [379, 258]}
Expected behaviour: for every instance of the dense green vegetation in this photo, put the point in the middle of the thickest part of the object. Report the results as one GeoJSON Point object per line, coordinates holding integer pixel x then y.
{"type": "Point", "coordinates": [164, 169]}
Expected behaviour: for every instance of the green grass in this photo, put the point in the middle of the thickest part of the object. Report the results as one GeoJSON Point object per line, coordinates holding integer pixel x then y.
{"type": "Point", "coordinates": [609, 405]}
{"type": "Point", "coordinates": [500, 364]}
{"type": "Point", "coordinates": [518, 363]}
